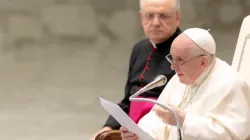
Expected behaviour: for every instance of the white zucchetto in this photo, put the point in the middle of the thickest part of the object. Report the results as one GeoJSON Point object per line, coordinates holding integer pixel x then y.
{"type": "Point", "coordinates": [202, 38]}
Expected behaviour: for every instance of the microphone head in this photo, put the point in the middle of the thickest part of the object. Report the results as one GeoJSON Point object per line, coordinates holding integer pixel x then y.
{"type": "Point", "coordinates": [161, 80]}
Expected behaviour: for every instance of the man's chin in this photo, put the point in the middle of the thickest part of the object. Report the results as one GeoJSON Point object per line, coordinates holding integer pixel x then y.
{"type": "Point", "coordinates": [157, 35]}
{"type": "Point", "coordinates": [184, 81]}
{"type": "Point", "coordinates": [157, 38]}
{"type": "Point", "coordinates": [181, 78]}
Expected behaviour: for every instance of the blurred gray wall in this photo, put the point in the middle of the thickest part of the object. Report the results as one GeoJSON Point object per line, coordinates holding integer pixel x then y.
{"type": "Point", "coordinates": [58, 56]}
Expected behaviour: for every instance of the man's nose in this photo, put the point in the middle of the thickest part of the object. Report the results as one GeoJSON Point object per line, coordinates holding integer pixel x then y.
{"type": "Point", "coordinates": [173, 66]}
{"type": "Point", "coordinates": [156, 21]}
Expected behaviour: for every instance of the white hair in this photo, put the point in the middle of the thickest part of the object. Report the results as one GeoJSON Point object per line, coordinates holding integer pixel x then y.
{"type": "Point", "coordinates": [176, 5]}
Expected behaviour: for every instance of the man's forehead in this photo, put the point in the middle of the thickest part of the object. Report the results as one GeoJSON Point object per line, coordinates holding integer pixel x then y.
{"type": "Point", "coordinates": [158, 5]}
{"type": "Point", "coordinates": [156, 1]}
{"type": "Point", "coordinates": [182, 41]}
{"type": "Point", "coordinates": [180, 46]}
{"type": "Point", "coordinates": [179, 54]}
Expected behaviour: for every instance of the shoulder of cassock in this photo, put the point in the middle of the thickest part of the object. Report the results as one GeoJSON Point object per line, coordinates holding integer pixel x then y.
{"type": "Point", "coordinates": [230, 83]}
{"type": "Point", "coordinates": [225, 76]}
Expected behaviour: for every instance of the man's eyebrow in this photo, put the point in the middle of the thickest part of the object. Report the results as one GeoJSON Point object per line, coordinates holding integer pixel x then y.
{"type": "Point", "coordinates": [178, 57]}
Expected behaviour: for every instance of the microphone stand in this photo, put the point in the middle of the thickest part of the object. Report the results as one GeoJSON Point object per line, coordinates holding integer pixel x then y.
{"type": "Point", "coordinates": [132, 98]}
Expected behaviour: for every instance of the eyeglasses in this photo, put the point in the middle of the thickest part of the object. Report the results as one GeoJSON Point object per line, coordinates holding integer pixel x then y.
{"type": "Point", "coordinates": [180, 62]}
{"type": "Point", "coordinates": [161, 16]}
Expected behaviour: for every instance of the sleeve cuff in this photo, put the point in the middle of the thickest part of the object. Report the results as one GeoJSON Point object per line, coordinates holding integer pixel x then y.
{"type": "Point", "coordinates": [190, 124]}
{"type": "Point", "coordinates": [111, 122]}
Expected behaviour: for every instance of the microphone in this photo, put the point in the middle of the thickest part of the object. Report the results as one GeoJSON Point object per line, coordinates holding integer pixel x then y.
{"type": "Point", "coordinates": [160, 80]}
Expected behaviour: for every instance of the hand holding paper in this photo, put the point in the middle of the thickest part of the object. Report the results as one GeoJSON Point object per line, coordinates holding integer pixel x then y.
{"type": "Point", "coordinates": [124, 119]}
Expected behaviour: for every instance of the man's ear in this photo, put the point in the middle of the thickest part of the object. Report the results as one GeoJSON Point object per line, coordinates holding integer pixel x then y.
{"type": "Point", "coordinates": [140, 13]}
{"type": "Point", "coordinates": [204, 61]}
{"type": "Point", "coordinates": [178, 18]}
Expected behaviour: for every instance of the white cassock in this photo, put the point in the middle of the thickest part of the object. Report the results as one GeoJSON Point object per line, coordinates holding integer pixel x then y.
{"type": "Point", "coordinates": [217, 107]}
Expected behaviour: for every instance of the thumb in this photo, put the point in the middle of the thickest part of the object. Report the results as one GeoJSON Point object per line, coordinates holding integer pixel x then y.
{"type": "Point", "coordinates": [171, 106]}
{"type": "Point", "coordinates": [123, 129]}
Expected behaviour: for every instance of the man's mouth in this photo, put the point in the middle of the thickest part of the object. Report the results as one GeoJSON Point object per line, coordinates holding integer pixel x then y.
{"type": "Point", "coordinates": [156, 31]}
{"type": "Point", "coordinates": [179, 74]}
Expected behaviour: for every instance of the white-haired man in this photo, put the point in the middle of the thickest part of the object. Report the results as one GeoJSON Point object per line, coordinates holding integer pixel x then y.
{"type": "Point", "coordinates": [210, 98]}
{"type": "Point", "coordinates": [160, 20]}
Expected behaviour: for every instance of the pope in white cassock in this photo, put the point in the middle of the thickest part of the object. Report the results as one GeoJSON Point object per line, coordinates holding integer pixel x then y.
{"type": "Point", "coordinates": [210, 98]}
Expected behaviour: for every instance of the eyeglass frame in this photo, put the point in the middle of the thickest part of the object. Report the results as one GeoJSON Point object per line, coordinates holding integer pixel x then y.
{"type": "Point", "coordinates": [184, 62]}
{"type": "Point", "coordinates": [161, 16]}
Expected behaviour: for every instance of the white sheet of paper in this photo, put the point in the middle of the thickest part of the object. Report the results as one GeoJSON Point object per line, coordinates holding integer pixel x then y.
{"type": "Point", "coordinates": [115, 110]}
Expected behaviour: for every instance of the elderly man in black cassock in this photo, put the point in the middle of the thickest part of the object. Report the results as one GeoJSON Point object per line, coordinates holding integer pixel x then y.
{"type": "Point", "coordinates": [160, 20]}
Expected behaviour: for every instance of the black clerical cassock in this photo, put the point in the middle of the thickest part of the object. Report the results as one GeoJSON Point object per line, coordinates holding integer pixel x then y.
{"type": "Point", "coordinates": [146, 62]}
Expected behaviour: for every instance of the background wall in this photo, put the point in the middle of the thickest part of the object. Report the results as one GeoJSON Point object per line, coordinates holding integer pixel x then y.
{"type": "Point", "coordinates": [58, 56]}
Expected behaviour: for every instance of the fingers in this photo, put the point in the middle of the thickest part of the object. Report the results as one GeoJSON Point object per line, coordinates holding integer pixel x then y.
{"type": "Point", "coordinates": [127, 135]}
{"type": "Point", "coordinates": [102, 130]}
{"type": "Point", "coordinates": [161, 112]}
{"type": "Point", "coordinates": [123, 129]}
{"type": "Point", "coordinates": [164, 115]}
{"type": "Point", "coordinates": [170, 105]}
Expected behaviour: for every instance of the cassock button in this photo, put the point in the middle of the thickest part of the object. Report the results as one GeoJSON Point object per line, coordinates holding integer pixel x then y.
{"type": "Point", "coordinates": [141, 77]}
{"type": "Point", "coordinates": [137, 89]}
{"type": "Point", "coordinates": [154, 49]}
{"type": "Point", "coordinates": [149, 59]}
{"type": "Point", "coordinates": [147, 69]}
